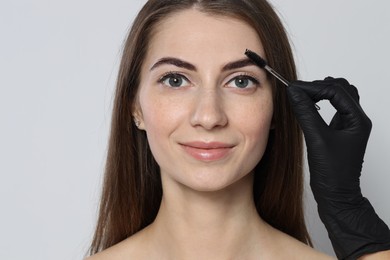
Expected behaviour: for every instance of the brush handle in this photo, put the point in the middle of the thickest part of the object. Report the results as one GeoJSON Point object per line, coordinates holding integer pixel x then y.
{"type": "Point", "coordinates": [276, 75]}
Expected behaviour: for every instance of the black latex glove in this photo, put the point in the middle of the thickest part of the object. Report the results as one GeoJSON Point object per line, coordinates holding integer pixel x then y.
{"type": "Point", "coordinates": [335, 156]}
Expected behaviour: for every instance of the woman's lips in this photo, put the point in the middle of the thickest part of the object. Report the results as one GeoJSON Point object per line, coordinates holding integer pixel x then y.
{"type": "Point", "coordinates": [207, 152]}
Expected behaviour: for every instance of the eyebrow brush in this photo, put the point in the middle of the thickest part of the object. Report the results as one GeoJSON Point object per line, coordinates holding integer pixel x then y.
{"type": "Point", "coordinates": [259, 61]}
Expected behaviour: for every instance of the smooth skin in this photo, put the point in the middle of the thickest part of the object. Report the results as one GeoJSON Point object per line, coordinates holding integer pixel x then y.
{"type": "Point", "coordinates": [207, 119]}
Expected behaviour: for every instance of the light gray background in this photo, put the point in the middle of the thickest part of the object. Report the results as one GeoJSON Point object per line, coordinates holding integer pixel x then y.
{"type": "Point", "coordinates": [58, 63]}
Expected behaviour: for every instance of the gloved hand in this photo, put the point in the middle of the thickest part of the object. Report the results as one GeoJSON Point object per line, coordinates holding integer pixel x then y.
{"type": "Point", "coordinates": [335, 156]}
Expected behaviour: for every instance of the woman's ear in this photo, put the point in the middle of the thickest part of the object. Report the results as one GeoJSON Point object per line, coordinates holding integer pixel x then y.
{"type": "Point", "coordinates": [138, 118]}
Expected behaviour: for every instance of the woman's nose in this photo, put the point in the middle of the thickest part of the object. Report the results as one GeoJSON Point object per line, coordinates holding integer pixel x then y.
{"type": "Point", "coordinates": [208, 110]}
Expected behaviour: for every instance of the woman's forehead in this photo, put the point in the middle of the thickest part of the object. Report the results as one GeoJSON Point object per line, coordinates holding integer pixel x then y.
{"type": "Point", "coordinates": [196, 34]}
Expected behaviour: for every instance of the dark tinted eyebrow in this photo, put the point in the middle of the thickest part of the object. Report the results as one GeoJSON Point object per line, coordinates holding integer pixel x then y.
{"type": "Point", "coordinates": [183, 64]}
{"type": "Point", "coordinates": [174, 61]}
{"type": "Point", "coordinates": [238, 64]}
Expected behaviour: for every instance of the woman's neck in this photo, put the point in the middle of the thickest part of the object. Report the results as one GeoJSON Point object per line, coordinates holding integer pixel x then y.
{"type": "Point", "coordinates": [208, 225]}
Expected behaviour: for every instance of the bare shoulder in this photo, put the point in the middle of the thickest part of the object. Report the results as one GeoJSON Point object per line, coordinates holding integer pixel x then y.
{"type": "Point", "coordinates": [133, 247]}
{"type": "Point", "coordinates": [295, 249]}
{"type": "Point", "coordinates": [377, 256]}
{"type": "Point", "coordinates": [302, 251]}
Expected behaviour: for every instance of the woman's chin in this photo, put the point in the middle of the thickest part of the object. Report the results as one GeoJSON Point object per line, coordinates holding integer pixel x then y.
{"type": "Point", "coordinates": [210, 183]}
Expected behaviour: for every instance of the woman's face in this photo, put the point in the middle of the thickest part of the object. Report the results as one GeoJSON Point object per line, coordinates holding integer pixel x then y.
{"type": "Point", "coordinates": [206, 109]}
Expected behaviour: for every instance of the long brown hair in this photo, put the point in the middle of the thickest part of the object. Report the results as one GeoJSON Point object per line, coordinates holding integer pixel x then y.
{"type": "Point", "coordinates": [132, 188]}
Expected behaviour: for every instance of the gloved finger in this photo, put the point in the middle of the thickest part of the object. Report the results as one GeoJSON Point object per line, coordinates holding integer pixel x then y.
{"type": "Point", "coordinates": [341, 121]}
{"type": "Point", "coordinates": [338, 121]}
{"type": "Point", "coordinates": [351, 89]}
{"type": "Point", "coordinates": [333, 91]}
{"type": "Point", "coordinates": [350, 114]}
{"type": "Point", "coordinates": [304, 109]}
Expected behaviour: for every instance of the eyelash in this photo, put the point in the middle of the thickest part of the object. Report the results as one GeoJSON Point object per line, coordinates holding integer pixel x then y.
{"type": "Point", "coordinates": [247, 76]}
{"type": "Point", "coordinates": [172, 74]}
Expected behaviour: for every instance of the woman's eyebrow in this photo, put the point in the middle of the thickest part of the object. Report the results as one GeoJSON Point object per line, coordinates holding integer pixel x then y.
{"type": "Point", "coordinates": [186, 65]}
{"type": "Point", "coordinates": [174, 61]}
{"type": "Point", "coordinates": [238, 64]}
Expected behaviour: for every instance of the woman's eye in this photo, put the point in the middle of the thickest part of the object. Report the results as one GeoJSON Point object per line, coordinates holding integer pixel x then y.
{"type": "Point", "coordinates": [174, 80]}
{"type": "Point", "coordinates": [243, 82]}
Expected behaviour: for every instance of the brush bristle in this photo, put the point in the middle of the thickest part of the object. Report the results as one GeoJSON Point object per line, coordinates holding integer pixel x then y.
{"type": "Point", "coordinates": [259, 61]}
